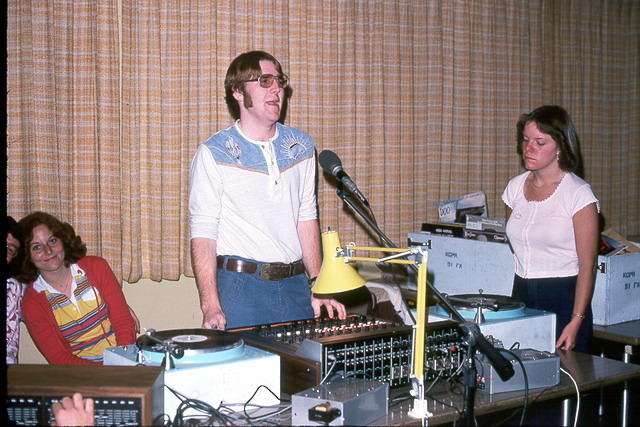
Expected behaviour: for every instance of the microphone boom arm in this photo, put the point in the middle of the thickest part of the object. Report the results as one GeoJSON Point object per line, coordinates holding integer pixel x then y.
{"type": "Point", "coordinates": [389, 243]}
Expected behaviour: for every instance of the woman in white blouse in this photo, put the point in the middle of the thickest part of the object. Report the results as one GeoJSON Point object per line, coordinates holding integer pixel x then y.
{"type": "Point", "coordinates": [553, 225]}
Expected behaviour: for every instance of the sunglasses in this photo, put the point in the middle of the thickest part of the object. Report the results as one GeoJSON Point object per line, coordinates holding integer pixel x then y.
{"type": "Point", "coordinates": [266, 80]}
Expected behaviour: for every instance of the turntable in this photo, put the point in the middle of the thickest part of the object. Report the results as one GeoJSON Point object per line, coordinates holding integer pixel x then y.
{"type": "Point", "coordinates": [504, 318]}
{"type": "Point", "coordinates": [488, 306]}
{"type": "Point", "coordinates": [192, 346]}
{"type": "Point", "coordinates": [209, 365]}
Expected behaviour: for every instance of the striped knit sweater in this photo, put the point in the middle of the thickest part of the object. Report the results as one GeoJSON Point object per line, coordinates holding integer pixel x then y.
{"type": "Point", "coordinates": [68, 333]}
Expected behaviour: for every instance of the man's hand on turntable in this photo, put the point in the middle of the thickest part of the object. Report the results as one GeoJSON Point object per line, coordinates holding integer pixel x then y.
{"type": "Point", "coordinates": [203, 259]}
{"type": "Point", "coordinates": [214, 319]}
{"type": "Point", "coordinates": [332, 306]}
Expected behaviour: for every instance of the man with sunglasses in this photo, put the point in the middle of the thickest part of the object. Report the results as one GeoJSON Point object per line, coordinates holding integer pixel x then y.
{"type": "Point", "coordinates": [255, 239]}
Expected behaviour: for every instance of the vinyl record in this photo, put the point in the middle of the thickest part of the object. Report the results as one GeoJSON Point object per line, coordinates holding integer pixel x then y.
{"type": "Point", "coordinates": [192, 341]}
{"type": "Point", "coordinates": [488, 301]}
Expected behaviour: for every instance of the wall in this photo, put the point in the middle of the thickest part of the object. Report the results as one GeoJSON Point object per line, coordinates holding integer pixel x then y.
{"type": "Point", "coordinates": [158, 305]}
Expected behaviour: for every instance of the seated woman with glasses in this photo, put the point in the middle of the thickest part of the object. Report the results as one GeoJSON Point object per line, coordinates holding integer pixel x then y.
{"type": "Point", "coordinates": [73, 307]}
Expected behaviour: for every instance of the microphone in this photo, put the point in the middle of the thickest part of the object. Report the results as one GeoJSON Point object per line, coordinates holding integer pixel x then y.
{"type": "Point", "coordinates": [502, 366]}
{"type": "Point", "coordinates": [331, 164]}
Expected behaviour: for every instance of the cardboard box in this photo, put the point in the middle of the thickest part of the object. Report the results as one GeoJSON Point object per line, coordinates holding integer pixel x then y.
{"type": "Point", "coordinates": [486, 236]}
{"type": "Point", "coordinates": [449, 230]}
{"type": "Point", "coordinates": [456, 210]}
{"type": "Point", "coordinates": [616, 297]}
{"type": "Point", "coordinates": [479, 223]}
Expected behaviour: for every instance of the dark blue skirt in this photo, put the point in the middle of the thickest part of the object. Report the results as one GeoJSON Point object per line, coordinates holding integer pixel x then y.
{"type": "Point", "coordinates": [555, 294]}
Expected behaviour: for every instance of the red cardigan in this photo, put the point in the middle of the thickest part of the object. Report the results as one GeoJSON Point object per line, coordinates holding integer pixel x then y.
{"type": "Point", "coordinates": [44, 330]}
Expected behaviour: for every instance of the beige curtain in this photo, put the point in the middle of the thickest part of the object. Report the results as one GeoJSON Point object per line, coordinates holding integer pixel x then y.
{"type": "Point", "coordinates": [419, 99]}
{"type": "Point", "coordinates": [63, 141]}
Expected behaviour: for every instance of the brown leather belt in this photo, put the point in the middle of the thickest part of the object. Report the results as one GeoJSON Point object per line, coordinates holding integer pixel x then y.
{"type": "Point", "coordinates": [268, 271]}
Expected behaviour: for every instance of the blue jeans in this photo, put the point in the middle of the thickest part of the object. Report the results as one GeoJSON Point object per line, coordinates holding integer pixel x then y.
{"type": "Point", "coordinates": [248, 299]}
{"type": "Point", "coordinates": [555, 294]}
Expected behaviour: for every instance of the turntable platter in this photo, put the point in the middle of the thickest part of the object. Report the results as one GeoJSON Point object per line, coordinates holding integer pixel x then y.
{"type": "Point", "coordinates": [471, 301]}
{"type": "Point", "coordinates": [494, 306]}
{"type": "Point", "coordinates": [199, 345]}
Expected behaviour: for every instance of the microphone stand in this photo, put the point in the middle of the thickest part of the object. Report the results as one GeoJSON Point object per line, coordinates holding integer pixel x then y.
{"type": "Point", "coordinates": [354, 207]}
{"type": "Point", "coordinates": [473, 337]}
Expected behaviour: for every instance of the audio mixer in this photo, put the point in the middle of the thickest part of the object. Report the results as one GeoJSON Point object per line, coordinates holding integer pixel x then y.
{"type": "Point", "coordinates": [313, 350]}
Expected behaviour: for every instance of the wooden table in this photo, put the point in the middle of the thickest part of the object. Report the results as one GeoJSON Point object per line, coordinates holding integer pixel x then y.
{"type": "Point", "coordinates": [627, 333]}
{"type": "Point", "coordinates": [590, 372]}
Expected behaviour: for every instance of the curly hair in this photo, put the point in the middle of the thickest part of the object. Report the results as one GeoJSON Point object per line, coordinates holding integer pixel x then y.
{"type": "Point", "coordinates": [74, 248]}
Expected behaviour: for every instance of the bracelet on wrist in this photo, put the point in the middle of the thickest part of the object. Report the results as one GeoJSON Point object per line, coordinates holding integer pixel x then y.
{"type": "Point", "coordinates": [312, 281]}
{"type": "Point", "coordinates": [580, 315]}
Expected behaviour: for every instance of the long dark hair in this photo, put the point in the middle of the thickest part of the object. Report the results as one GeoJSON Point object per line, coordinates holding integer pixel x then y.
{"type": "Point", "coordinates": [74, 248]}
{"type": "Point", "coordinates": [555, 122]}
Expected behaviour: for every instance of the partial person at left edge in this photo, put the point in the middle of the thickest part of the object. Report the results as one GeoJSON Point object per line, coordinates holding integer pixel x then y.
{"type": "Point", "coordinates": [74, 307]}
{"type": "Point", "coordinates": [15, 289]}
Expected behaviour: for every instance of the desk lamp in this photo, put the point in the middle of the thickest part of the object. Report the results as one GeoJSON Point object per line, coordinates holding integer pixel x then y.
{"type": "Point", "coordinates": [336, 275]}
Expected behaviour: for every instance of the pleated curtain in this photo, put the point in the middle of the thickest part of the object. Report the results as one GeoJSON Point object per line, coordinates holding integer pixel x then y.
{"type": "Point", "coordinates": [107, 102]}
